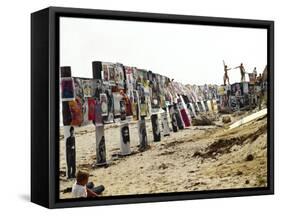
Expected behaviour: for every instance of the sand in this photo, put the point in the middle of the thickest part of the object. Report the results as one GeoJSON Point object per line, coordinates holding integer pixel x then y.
{"type": "Point", "coordinates": [193, 159]}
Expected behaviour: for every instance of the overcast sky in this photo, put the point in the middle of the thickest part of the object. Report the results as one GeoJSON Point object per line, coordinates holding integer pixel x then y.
{"type": "Point", "coordinates": [191, 54]}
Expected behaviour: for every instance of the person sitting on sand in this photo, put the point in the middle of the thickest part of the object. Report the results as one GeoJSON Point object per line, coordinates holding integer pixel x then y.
{"type": "Point", "coordinates": [83, 189]}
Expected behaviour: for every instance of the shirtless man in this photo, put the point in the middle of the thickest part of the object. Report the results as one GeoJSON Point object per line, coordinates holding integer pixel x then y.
{"type": "Point", "coordinates": [225, 76]}
{"type": "Point", "coordinates": [242, 71]}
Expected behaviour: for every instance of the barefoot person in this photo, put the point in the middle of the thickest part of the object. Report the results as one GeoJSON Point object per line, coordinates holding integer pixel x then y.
{"type": "Point", "coordinates": [225, 76]}
{"type": "Point", "coordinates": [242, 71]}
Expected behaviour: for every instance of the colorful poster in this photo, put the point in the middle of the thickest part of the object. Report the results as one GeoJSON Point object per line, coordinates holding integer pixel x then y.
{"type": "Point", "coordinates": [91, 106]}
{"type": "Point", "coordinates": [67, 89]}
{"type": "Point", "coordinates": [183, 113]}
{"type": "Point", "coordinates": [76, 112]}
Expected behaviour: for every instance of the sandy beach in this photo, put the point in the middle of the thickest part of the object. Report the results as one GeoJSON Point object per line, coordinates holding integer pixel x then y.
{"type": "Point", "coordinates": [197, 158]}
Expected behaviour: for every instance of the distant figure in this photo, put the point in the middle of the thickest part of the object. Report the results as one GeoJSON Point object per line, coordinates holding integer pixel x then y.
{"type": "Point", "coordinates": [70, 154]}
{"type": "Point", "coordinates": [225, 76]}
{"type": "Point", "coordinates": [242, 71]}
{"type": "Point", "coordinates": [255, 72]}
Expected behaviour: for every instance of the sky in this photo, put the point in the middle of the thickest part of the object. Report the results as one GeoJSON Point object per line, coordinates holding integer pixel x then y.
{"type": "Point", "coordinates": [190, 54]}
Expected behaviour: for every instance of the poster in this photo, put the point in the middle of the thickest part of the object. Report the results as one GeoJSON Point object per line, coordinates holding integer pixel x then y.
{"type": "Point", "coordinates": [122, 110]}
{"type": "Point", "coordinates": [76, 112]}
{"type": "Point", "coordinates": [178, 117]}
{"type": "Point", "coordinates": [104, 104]}
{"type": "Point", "coordinates": [66, 113]}
{"type": "Point", "coordinates": [221, 90]}
{"type": "Point", "coordinates": [116, 104]}
{"type": "Point", "coordinates": [209, 104]}
{"type": "Point", "coordinates": [143, 109]}
{"type": "Point", "coordinates": [183, 113]}
{"type": "Point", "coordinates": [91, 107]}
{"type": "Point", "coordinates": [119, 75]}
{"type": "Point", "coordinates": [100, 146]}
{"type": "Point", "coordinates": [125, 139]}
{"type": "Point", "coordinates": [155, 128]}
{"type": "Point", "coordinates": [85, 111]}
{"type": "Point", "coordinates": [67, 89]}
{"type": "Point", "coordinates": [135, 105]}
{"type": "Point", "coordinates": [173, 118]}
{"type": "Point", "coordinates": [70, 151]}
{"type": "Point", "coordinates": [112, 76]}
{"type": "Point", "coordinates": [206, 106]}
{"type": "Point", "coordinates": [110, 116]}
{"type": "Point", "coordinates": [245, 87]}
{"type": "Point", "coordinates": [165, 123]}
{"type": "Point", "coordinates": [105, 73]}
{"type": "Point", "coordinates": [142, 134]}
{"type": "Point", "coordinates": [98, 114]}
{"type": "Point", "coordinates": [88, 88]}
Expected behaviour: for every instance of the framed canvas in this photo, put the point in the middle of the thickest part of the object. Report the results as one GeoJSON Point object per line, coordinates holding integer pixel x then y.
{"type": "Point", "coordinates": [130, 107]}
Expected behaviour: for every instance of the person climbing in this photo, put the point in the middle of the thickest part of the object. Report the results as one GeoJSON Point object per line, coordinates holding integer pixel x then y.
{"type": "Point", "coordinates": [242, 71]}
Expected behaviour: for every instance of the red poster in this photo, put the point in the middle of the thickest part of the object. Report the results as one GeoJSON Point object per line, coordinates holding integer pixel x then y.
{"type": "Point", "coordinates": [185, 118]}
{"type": "Point", "coordinates": [91, 112]}
{"type": "Point", "coordinates": [76, 112]}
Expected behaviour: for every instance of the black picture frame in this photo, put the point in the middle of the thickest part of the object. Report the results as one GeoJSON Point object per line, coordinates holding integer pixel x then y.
{"type": "Point", "coordinates": [45, 105]}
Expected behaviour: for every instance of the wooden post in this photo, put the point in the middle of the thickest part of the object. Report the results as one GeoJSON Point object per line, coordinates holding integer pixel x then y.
{"type": "Point", "coordinates": [100, 138]}
{"type": "Point", "coordinates": [69, 137]}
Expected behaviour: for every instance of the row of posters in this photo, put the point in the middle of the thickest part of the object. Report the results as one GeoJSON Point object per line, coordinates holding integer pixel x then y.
{"type": "Point", "coordinates": [123, 91]}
